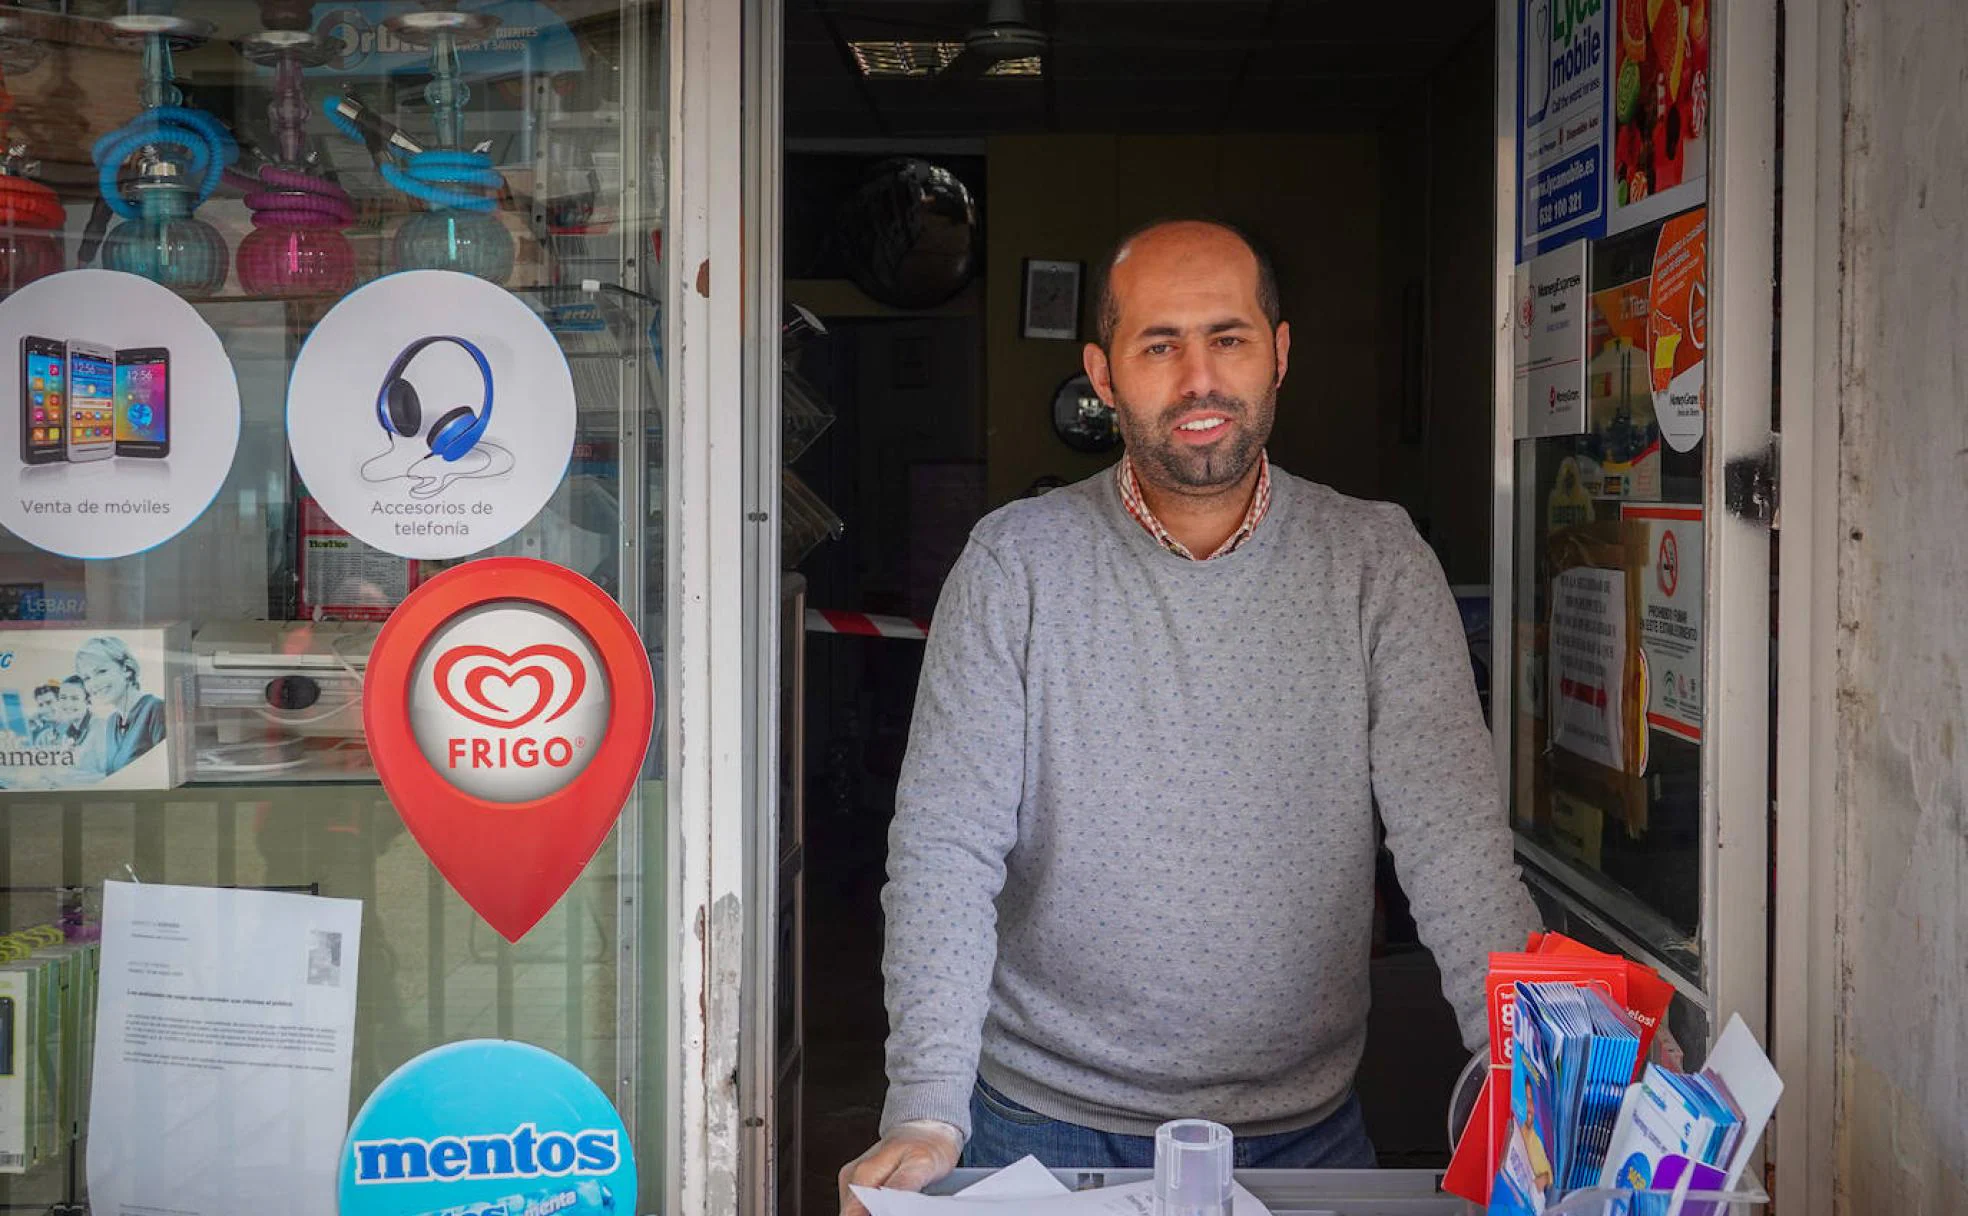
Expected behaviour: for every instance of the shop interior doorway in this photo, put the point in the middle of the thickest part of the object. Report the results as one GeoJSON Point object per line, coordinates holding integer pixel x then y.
{"type": "Point", "coordinates": [954, 172]}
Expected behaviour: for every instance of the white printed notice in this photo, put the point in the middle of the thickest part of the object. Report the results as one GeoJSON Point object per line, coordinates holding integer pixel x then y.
{"type": "Point", "coordinates": [1588, 664]}
{"type": "Point", "coordinates": [224, 1030]}
{"type": "Point", "coordinates": [1671, 617]}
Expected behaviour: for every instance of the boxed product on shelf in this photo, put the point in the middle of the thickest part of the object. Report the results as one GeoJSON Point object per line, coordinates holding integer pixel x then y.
{"type": "Point", "coordinates": [65, 1042]}
{"type": "Point", "coordinates": [20, 1071]}
{"type": "Point", "coordinates": [94, 707]}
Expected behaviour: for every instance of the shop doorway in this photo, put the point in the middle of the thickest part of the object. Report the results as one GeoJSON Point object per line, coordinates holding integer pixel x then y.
{"type": "Point", "coordinates": [928, 381]}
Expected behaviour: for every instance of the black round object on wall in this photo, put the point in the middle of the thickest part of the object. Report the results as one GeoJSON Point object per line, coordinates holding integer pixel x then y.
{"type": "Point", "coordinates": [911, 233]}
{"type": "Point", "coordinates": [1081, 419]}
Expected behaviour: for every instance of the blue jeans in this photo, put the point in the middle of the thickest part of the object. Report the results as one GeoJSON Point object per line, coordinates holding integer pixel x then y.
{"type": "Point", "coordinates": [1002, 1131]}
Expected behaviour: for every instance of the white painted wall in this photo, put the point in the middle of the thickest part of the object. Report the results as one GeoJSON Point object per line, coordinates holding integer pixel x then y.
{"type": "Point", "coordinates": [1901, 831]}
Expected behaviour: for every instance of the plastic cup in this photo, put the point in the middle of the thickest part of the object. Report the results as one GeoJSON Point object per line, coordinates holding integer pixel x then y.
{"type": "Point", "coordinates": [1193, 1162]}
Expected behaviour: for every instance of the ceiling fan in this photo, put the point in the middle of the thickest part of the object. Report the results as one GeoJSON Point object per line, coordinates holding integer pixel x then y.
{"type": "Point", "coordinates": [1004, 36]}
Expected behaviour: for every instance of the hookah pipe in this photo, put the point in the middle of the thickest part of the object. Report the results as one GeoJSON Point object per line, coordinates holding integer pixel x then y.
{"type": "Point", "coordinates": [460, 188]}
{"type": "Point", "coordinates": [298, 216]}
{"type": "Point", "coordinates": [160, 238]}
{"type": "Point", "coordinates": [24, 202]}
{"type": "Point", "coordinates": [446, 176]}
{"type": "Point", "coordinates": [165, 122]}
{"type": "Point", "coordinates": [30, 211]}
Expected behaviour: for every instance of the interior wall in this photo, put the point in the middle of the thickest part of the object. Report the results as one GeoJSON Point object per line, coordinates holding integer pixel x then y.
{"type": "Point", "coordinates": [1356, 221]}
{"type": "Point", "coordinates": [1902, 902]}
{"type": "Point", "coordinates": [1311, 199]}
{"type": "Point", "coordinates": [1455, 496]}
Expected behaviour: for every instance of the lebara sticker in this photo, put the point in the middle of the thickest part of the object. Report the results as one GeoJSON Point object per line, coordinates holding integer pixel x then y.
{"type": "Point", "coordinates": [508, 704]}
{"type": "Point", "coordinates": [487, 1128]}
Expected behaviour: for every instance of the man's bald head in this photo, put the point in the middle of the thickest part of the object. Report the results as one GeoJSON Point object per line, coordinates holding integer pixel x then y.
{"type": "Point", "coordinates": [1174, 239]}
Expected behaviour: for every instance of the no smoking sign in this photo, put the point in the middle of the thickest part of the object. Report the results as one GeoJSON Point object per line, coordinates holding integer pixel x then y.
{"type": "Point", "coordinates": [508, 704]}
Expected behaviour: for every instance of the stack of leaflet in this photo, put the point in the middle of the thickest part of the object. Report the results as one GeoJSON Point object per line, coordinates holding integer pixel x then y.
{"type": "Point", "coordinates": [1678, 1133]}
{"type": "Point", "coordinates": [1576, 1051]}
{"type": "Point", "coordinates": [1673, 1115]}
{"type": "Point", "coordinates": [1547, 958]}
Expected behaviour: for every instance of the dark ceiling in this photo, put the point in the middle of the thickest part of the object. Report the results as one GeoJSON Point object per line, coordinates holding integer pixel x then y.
{"type": "Point", "coordinates": [1125, 66]}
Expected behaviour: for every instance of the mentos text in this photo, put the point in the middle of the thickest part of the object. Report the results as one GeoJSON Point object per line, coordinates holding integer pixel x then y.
{"type": "Point", "coordinates": [525, 1152]}
{"type": "Point", "coordinates": [523, 752]}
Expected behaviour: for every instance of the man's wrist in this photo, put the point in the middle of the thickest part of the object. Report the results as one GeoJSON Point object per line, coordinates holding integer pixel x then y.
{"type": "Point", "coordinates": [948, 1132]}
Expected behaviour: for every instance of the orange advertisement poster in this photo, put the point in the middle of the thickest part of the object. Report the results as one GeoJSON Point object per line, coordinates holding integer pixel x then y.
{"type": "Point", "coordinates": [1677, 329]}
{"type": "Point", "coordinates": [1622, 457]}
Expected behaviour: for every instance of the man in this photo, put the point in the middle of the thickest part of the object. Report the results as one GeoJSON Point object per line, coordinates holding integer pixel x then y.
{"type": "Point", "coordinates": [1131, 866]}
{"type": "Point", "coordinates": [43, 730]}
{"type": "Point", "coordinates": [82, 730]}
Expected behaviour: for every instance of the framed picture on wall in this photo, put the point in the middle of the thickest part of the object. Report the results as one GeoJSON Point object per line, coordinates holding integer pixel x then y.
{"type": "Point", "coordinates": [1051, 300]}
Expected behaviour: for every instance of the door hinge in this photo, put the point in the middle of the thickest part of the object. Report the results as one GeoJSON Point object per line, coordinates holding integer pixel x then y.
{"type": "Point", "coordinates": [1749, 487]}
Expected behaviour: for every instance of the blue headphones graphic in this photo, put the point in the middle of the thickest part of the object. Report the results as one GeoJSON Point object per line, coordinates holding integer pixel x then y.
{"type": "Point", "coordinates": [400, 412]}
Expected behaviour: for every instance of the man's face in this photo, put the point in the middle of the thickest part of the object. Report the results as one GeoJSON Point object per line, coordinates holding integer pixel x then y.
{"type": "Point", "coordinates": [44, 704]}
{"type": "Point", "coordinates": [72, 703]}
{"type": "Point", "coordinates": [1194, 367]}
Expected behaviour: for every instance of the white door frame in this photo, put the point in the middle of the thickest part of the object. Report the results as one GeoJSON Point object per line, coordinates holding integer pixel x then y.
{"type": "Point", "coordinates": [705, 633]}
{"type": "Point", "coordinates": [1805, 968]}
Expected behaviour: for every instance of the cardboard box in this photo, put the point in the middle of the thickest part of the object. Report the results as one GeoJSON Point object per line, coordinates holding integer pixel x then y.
{"type": "Point", "coordinates": [20, 1003]}
{"type": "Point", "coordinates": [95, 707]}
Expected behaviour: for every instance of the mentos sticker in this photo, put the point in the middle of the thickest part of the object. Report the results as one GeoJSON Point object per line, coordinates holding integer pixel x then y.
{"type": "Point", "coordinates": [487, 1128]}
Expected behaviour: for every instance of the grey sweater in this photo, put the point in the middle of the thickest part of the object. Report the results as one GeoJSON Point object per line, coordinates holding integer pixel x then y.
{"type": "Point", "coordinates": [1131, 866]}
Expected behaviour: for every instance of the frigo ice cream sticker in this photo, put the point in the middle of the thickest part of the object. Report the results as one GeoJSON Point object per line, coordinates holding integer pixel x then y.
{"type": "Point", "coordinates": [508, 704]}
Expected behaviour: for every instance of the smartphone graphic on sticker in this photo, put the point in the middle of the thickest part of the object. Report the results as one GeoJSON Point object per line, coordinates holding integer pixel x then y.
{"type": "Point", "coordinates": [44, 368]}
{"type": "Point", "coordinates": [143, 402]}
{"type": "Point", "coordinates": [91, 401]}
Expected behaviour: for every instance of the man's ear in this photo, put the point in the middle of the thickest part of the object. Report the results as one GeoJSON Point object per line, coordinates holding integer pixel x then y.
{"type": "Point", "coordinates": [1099, 371]}
{"type": "Point", "coordinates": [1282, 342]}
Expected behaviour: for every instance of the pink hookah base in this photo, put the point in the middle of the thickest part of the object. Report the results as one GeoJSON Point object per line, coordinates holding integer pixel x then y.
{"type": "Point", "coordinates": [280, 261]}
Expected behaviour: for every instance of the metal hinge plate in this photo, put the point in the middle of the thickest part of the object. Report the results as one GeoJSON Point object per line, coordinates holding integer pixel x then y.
{"type": "Point", "coordinates": [1749, 487]}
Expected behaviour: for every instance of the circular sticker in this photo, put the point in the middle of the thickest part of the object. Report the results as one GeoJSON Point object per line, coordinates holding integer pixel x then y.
{"type": "Point", "coordinates": [431, 414]}
{"type": "Point", "coordinates": [489, 1128]}
{"type": "Point", "coordinates": [508, 702]}
{"type": "Point", "coordinates": [126, 409]}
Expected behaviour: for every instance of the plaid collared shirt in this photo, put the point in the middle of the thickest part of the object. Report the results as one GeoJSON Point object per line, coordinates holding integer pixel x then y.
{"type": "Point", "coordinates": [1137, 506]}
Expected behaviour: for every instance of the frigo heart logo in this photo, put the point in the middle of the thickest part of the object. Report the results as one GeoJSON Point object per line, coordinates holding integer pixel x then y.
{"type": "Point", "coordinates": [508, 691]}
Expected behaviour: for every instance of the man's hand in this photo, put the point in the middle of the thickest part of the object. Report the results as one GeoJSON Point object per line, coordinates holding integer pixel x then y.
{"type": "Point", "coordinates": [909, 1158]}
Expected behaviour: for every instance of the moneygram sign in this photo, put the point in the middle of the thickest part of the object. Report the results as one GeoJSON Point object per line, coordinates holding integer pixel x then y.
{"type": "Point", "coordinates": [1565, 121]}
{"type": "Point", "coordinates": [508, 705]}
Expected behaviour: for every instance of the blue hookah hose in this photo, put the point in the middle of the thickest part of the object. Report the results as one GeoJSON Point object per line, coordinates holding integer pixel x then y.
{"type": "Point", "coordinates": [209, 147]}
{"type": "Point", "coordinates": [461, 181]}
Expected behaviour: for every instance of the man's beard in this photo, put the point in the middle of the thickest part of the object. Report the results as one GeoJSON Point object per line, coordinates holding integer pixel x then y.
{"type": "Point", "coordinates": [1186, 468]}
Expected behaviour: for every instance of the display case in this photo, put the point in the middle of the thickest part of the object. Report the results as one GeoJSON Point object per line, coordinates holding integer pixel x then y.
{"type": "Point", "coordinates": [261, 166]}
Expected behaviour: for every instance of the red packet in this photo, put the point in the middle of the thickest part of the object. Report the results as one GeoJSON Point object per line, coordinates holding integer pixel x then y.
{"type": "Point", "coordinates": [1647, 994]}
{"type": "Point", "coordinates": [1477, 1153]}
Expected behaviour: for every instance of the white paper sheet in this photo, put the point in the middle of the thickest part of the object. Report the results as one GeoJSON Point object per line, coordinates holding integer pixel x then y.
{"type": "Point", "coordinates": [1134, 1199]}
{"type": "Point", "coordinates": [223, 1035]}
{"type": "Point", "coordinates": [1752, 1081]}
{"type": "Point", "coordinates": [1025, 1178]}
